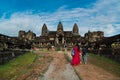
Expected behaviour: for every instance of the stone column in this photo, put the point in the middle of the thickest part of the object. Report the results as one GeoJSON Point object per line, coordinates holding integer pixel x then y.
{"type": "Point", "coordinates": [56, 40]}
{"type": "Point", "coordinates": [63, 40]}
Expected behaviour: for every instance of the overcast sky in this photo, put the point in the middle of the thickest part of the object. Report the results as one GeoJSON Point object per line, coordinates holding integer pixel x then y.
{"type": "Point", "coordinates": [93, 15]}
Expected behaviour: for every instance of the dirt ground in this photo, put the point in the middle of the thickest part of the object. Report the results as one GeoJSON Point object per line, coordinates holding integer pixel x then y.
{"type": "Point", "coordinates": [91, 72]}
{"type": "Point", "coordinates": [59, 68]}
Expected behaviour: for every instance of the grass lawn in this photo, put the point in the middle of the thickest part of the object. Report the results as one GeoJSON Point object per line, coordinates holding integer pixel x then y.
{"type": "Point", "coordinates": [15, 67]}
{"type": "Point", "coordinates": [105, 63]}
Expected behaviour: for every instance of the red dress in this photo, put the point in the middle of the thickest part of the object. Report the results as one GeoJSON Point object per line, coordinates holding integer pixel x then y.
{"type": "Point", "coordinates": [76, 57]}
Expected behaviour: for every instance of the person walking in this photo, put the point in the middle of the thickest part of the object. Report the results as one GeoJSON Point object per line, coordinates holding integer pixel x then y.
{"type": "Point", "coordinates": [76, 57]}
{"type": "Point", "coordinates": [84, 55]}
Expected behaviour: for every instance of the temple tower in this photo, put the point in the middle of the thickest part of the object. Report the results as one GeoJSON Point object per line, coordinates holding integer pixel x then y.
{"type": "Point", "coordinates": [44, 30]}
{"type": "Point", "coordinates": [75, 29]}
{"type": "Point", "coordinates": [60, 34]}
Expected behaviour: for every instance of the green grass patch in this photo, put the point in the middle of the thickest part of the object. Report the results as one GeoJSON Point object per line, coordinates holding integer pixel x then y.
{"type": "Point", "coordinates": [105, 63]}
{"type": "Point", "coordinates": [16, 66]}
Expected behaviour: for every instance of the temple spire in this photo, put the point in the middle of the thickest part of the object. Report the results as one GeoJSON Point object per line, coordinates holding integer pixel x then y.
{"type": "Point", "coordinates": [60, 27]}
{"type": "Point", "coordinates": [44, 30]}
{"type": "Point", "coordinates": [75, 29]}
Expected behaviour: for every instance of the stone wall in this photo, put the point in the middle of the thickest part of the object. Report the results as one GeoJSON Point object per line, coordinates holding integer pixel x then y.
{"type": "Point", "coordinates": [108, 52]}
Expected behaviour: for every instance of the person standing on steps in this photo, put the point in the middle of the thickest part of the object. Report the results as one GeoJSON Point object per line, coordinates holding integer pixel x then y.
{"type": "Point", "coordinates": [84, 55]}
{"type": "Point", "coordinates": [76, 57]}
{"type": "Point", "coordinates": [65, 48]}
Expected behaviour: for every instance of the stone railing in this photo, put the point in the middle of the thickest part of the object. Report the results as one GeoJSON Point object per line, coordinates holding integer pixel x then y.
{"type": "Point", "coordinates": [8, 55]}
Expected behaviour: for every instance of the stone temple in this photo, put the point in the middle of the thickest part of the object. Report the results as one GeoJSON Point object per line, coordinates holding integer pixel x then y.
{"type": "Point", "coordinates": [58, 38]}
{"type": "Point", "coordinates": [94, 41]}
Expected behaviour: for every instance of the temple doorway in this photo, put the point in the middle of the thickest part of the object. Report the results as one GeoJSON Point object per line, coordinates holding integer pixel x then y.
{"type": "Point", "coordinates": [60, 39]}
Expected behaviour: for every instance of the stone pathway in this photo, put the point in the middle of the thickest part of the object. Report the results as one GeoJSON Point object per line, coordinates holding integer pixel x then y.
{"type": "Point", "coordinates": [60, 69]}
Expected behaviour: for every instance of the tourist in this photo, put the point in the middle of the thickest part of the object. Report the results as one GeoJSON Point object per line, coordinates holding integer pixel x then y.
{"type": "Point", "coordinates": [76, 57]}
{"type": "Point", "coordinates": [65, 48]}
{"type": "Point", "coordinates": [84, 55]}
{"type": "Point", "coordinates": [53, 48]}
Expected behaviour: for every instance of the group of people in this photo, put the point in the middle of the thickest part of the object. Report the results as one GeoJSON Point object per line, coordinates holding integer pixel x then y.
{"type": "Point", "coordinates": [80, 55]}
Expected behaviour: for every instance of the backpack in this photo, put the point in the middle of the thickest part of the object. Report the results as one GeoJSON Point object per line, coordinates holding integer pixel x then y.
{"type": "Point", "coordinates": [72, 53]}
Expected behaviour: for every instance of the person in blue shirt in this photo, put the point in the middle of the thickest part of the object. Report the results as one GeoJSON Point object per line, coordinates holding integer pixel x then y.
{"type": "Point", "coordinates": [84, 55]}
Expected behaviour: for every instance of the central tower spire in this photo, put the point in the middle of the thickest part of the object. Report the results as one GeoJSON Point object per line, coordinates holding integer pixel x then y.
{"type": "Point", "coordinates": [60, 27]}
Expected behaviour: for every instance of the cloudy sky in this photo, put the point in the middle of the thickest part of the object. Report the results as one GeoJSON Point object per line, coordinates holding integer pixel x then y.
{"type": "Point", "coordinates": [93, 15]}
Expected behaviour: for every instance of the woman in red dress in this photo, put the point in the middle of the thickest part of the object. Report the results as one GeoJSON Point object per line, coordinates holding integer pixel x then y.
{"type": "Point", "coordinates": [76, 58]}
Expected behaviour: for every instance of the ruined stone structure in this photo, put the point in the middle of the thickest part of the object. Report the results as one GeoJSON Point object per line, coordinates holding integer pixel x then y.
{"type": "Point", "coordinates": [3, 40]}
{"type": "Point", "coordinates": [94, 36]}
{"type": "Point", "coordinates": [24, 40]}
{"type": "Point", "coordinates": [26, 36]}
